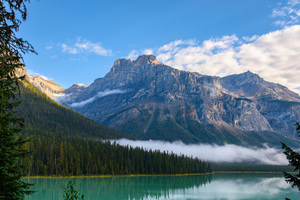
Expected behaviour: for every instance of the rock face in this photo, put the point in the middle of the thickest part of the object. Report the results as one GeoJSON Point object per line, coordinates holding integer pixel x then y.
{"type": "Point", "coordinates": [22, 72]}
{"type": "Point", "coordinates": [48, 87]}
{"type": "Point", "coordinates": [150, 100]}
{"type": "Point", "coordinates": [75, 88]}
{"type": "Point", "coordinates": [52, 89]}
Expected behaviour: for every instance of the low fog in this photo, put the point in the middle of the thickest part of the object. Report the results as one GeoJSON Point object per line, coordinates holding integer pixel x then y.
{"type": "Point", "coordinates": [99, 95]}
{"type": "Point", "coordinates": [214, 153]}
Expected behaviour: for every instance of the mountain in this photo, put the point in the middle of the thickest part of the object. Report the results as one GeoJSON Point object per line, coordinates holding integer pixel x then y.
{"type": "Point", "coordinates": [77, 87]}
{"type": "Point", "coordinates": [44, 116]}
{"type": "Point", "coordinates": [252, 86]}
{"type": "Point", "coordinates": [149, 100]}
{"type": "Point", "coordinates": [66, 143]}
{"type": "Point", "coordinates": [52, 89]}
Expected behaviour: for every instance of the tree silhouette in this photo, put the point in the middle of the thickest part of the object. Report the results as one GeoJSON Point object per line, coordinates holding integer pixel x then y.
{"type": "Point", "coordinates": [71, 193]}
{"type": "Point", "coordinates": [294, 160]}
{"type": "Point", "coordinates": [11, 144]}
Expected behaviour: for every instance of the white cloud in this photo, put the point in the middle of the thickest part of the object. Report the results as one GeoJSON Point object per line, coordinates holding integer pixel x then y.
{"type": "Point", "coordinates": [68, 49]}
{"type": "Point", "coordinates": [219, 43]}
{"type": "Point", "coordinates": [132, 55]}
{"type": "Point", "coordinates": [86, 46]}
{"type": "Point", "coordinates": [287, 14]}
{"type": "Point", "coordinates": [215, 153]}
{"type": "Point", "coordinates": [250, 39]}
{"type": "Point", "coordinates": [99, 95]}
{"type": "Point", "coordinates": [148, 52]}
{"type": "Point", "coordinates": [44, 77]}
{"type": "Point", "coordinates": [175, 44]}
{"type": "Point", "coordinates": [293, 2]}
{"type": "Point", "coordinates": [274, 56]}
{"type": "Point", "coordinates": [280, 23]}
{"type": "Point", "coordinates": [278, 13]}
{"type": "Point", "coordinates": [49, 47]}
{"type": "Point", "coordinates": [33, 73]}
{"type": "Point", "coordinates": [95, 48]}
{"type": "Point", "coordinates": [164, 57]}
{"type": "Point", "coordinates": [212, 57]}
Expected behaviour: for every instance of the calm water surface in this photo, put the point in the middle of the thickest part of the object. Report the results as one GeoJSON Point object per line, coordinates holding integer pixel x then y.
{"type": "Point", "coordinates": [212, 187]}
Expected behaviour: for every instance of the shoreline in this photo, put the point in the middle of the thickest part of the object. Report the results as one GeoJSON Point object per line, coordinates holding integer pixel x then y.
{"type": "Point", "coordinates": [143, 175]}
{"type": "Point", "coordinates": [247, 172]}
{"type": "Point", "coordinates": [129, 175]}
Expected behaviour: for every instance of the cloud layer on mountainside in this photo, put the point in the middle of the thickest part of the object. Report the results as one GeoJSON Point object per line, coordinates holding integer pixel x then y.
{"type": "Point", "coordinates": [214, 153]}
{"type": "Point", "coordinates": [99, 95]}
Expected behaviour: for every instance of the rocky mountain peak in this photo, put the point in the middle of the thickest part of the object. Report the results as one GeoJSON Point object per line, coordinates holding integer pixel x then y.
{"type": "Point", "coordinates": [248, 75]}
{"type": "Point", "coordinates": [245, 77]}
{"type": "Point", "coordinates": [48, 87]}
{"type": "Point", "coordinates": [150, 100]}
{"type": "Point", "coordinates": [77, 87]}
{"type": "Point", "coordinates": [147, 59]}
{"type": "Point", "coordinates": [251, 85]}
{"type": "Point", "coordinates": [123, 63]}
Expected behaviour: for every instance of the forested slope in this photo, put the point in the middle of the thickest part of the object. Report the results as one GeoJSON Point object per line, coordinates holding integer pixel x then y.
{"type": "Point", "coordinates": [63, 142]}
{"type": "Point", "coordinates": [44, 115]}
{"type": "Point", "coordinates": [76, 156]}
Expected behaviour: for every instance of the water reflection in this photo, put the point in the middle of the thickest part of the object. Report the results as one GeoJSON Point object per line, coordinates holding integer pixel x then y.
{"type": "Point", "coordinates": [217, 186]}
{"type": "Point", "coordinates": [241, 186]}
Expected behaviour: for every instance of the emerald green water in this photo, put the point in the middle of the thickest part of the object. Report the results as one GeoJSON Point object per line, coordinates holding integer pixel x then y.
{"type": "Point", "coordinates": [210, 187]}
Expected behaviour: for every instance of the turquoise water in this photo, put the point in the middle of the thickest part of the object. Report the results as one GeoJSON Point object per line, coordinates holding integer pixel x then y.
{"type": "Point", "coordinates": [211, 187]}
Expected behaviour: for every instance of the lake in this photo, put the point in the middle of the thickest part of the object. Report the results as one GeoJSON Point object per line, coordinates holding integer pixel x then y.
{"type": "Point", "coordinates": [212, 187]}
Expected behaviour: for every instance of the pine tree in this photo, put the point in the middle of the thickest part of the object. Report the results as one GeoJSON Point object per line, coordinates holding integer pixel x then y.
{"type": "Point", "coordinates": [71, 193]}
{"type": "Point", "coordinates": [11, 144]}
{"type": "Point", "coordinates": [294, 160]}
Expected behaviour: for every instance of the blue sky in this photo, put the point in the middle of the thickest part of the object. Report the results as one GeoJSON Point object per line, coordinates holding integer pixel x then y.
{"type": "Point", "coordinates": [78, 41]}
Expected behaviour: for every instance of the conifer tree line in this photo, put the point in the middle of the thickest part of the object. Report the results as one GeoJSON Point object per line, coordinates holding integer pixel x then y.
{"type": "Point", "coordinates": [63, 143]}
{"type": "Point", "coordinates": [56, 153]}
{"type": "Point", "coordinates": [43, 115]}
{"type": "Point", "coordinates": [12, 13]}
{"type": "Point", "coordinates": [61, 156]}
{"type": "Point", "coordinates": [294, 160]}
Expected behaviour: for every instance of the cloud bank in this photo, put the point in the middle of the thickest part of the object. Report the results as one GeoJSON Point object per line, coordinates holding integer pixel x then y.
{"type": "Point", "coordinates": [274, 56]}
{"type": "Point", "coordinates": [214, 153]}
{"type": "Point", "coordinates": [99, 95]}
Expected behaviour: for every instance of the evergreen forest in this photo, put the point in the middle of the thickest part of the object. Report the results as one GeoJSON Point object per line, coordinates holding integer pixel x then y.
{"type": "Point", "coordinates": [60, 156]}
{"type": "Point", "coordinates": [63, 142]}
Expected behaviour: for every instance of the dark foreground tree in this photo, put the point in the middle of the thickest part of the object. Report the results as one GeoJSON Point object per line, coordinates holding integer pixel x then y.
{"type": "Point", "coordinates": [11, 144]}
{"type": "Point", "coordinates": [71, 193]}
{"type": "Point", "coordinates": [294, 160]}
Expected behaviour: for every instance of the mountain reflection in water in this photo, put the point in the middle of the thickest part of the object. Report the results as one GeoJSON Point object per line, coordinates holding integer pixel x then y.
{"type": "Point", "coordinates": [217, 186]}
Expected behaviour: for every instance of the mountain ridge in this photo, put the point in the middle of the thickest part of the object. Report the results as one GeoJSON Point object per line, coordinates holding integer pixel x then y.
{"type": "Point", "coordinates": [150, 100]}
{"type": "Point", "coordinates": [43, 116]}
